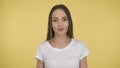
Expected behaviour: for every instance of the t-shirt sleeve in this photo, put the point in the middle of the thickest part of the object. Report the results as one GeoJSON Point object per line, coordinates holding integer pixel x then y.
{"type": "Point", "coordinates": [39, 53]}
{"type": "Point", "coordinates": [84, 51]}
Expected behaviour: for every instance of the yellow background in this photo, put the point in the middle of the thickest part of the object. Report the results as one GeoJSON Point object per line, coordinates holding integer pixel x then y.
{"type": "Point", "coordinates": [23, 24]}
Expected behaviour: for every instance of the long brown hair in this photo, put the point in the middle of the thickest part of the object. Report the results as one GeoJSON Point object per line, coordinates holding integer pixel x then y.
{"type": "Point", "coordinates": [50, 33]}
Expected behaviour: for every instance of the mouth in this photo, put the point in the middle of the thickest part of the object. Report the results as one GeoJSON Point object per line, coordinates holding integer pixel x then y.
{"type": "Point", "coordinates": [60, 29]}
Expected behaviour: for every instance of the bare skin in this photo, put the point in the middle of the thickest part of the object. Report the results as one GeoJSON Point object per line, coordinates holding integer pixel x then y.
{"type": "Point", "coordinates": [83, 63]}
{"type": "Point", "coordinates": [40, 64]}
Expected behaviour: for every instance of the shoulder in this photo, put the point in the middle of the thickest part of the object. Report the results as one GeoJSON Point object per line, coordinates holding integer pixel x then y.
{"type": "Point", "coordinates": [76, 41]}
{"type": "Point", "coordinates": [79, 43]}
{"type": "Point", "coordinates": [43, 44]}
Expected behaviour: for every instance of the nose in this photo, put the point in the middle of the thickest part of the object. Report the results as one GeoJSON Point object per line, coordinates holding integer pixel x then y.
{"type": "Point", "coordinates": [60, 23]}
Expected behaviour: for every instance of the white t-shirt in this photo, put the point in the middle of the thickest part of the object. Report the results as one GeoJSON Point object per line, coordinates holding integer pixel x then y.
{"type": "Point", "coordinates": [67, 57]}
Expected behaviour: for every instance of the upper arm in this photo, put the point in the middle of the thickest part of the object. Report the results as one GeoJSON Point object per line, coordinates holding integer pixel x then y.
{"type": "Point", "coordinates": [40, 64]}
{"type": "Point", "coordinates": [83, 63]}
{"type": "Point", "coordinates": [39, 57]}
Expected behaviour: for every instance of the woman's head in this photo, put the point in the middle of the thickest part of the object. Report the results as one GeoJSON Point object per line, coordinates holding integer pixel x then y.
{"type": "Point", "coordinates": [59, 22]}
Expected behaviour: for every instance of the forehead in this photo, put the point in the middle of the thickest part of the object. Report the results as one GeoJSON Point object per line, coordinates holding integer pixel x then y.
{"type": "Point", "coordinates": [59, 13]}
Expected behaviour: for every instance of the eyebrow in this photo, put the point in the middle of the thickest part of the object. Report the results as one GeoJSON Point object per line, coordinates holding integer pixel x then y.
{"type": "Point", "coordinates": [65, 17]}
{"type": "Point", "coordinates": [62, 17]}
{"type": "Point", "coordinates": [55, 17]}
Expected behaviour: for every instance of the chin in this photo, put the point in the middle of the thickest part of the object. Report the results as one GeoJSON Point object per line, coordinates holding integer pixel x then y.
{"type": "Point", "coordinates": [61, 33]}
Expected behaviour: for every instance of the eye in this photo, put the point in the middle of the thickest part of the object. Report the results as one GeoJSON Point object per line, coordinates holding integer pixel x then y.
{"type": "Point", "coordinates": [54, 20]}
{"type": "Point", "coordinates": [65, 19]}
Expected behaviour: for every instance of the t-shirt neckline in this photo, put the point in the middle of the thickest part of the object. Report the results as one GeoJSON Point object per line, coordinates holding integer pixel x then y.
{"type": "Point", "coordinates": [60, 49]}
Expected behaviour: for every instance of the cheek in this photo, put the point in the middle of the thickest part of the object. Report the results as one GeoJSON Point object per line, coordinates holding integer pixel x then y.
{"type": "Point", "coordinates": [66, 25]}
{"type": "Point", "coordinates": [54, 25]}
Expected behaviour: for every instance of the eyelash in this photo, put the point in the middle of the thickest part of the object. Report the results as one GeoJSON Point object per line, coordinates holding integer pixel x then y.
{"type": "Point", "coordinates": [65, 19]}
{"type": "Point", "coordinates": [57, 20]}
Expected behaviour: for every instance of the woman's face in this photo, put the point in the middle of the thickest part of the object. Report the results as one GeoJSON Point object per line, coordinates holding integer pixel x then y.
{"type": "Point", "coordinates": [59, 22]}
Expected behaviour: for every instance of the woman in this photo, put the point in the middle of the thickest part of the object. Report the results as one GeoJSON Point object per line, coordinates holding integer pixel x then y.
{"type": "Point", "coordinates": [61, 50]}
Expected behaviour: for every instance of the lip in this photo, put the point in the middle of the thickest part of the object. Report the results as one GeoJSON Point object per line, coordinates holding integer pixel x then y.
{"type": "Point", "coordinates": [60, 29]}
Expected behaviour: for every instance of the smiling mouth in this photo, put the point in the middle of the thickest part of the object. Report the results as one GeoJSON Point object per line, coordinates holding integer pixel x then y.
{"type": "Point", "coordinates": [60, 29]}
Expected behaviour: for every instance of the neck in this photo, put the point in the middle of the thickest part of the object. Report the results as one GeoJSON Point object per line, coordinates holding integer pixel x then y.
{"type": "Point", "coordinates": [61, 38]}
